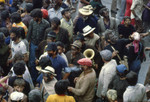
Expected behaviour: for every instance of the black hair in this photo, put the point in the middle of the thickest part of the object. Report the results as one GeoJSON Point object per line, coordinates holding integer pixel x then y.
{"type": "Point", "coordinates": [61, 87]}
{"type": "Point", "coordinates": [64, 11]}
{"type": "Point", "coordinates": [4, 15]}
{"type": "Point", "coordinates": [59, 43]}
{"type": "Point", "coordinates": [132, 78]}
{"type": "Point", "coordinates": [29, 7]}
{"type": "Point", "coordinates": [2, 39]}
{"type": "Point", "coordinates": [36, 13]}
{"type": "Point", "coordinates": [56, 21]}
{"type": "Point", "coordinates": [15, 30]}
{"type": "Point", "coordinates": [19, 82]}
{"type": "Point", "coordinates": [16, 17]}
{"type": "Point", "coordinates": [22, 32]}
{"type": "Point", "coordinates": [126, 17]}
{"type": "Point", "coordinates": [107, 34]}
{"type": "Point", "coordinates": [1, 71]}
{"type": "Point", "coordinates": [44, 62]}
{"type": "Point", "coordinates": [101, 12]}
{"type": "Point", "coordinates": [35, 96]}
{"type": "Point", "coordinates": [5, 31]}
{"type": "Point", "coordinates": [47, 1]}
{"type": "Point", "coordinates": [19, 68]}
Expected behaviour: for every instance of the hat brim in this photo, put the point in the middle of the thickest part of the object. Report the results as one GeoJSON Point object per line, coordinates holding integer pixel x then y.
{"type": "Point", "coordinates": [45, 71]}
{"type": "Point", "coordinates": [39, 68]}
{"type": "Point", "coordinates": [85, 34]}
{"type": "Point", "coordinates": [75, 46]}
{"type": "Point", "coordinates": [85, 13]}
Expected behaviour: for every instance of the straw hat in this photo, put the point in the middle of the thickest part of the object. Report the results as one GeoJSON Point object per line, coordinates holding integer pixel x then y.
{"type": "Point", "coordinates": [87, 30]}
{"type": "Point", "coordinates": [77, 44]}
{"type": "Point", "coordinates": [48, 69]}
{"type": "Point", "coordinates": [86, 10]}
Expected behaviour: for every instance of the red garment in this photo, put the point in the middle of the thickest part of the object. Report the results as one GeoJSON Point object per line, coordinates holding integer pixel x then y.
{"type": "Point", "coordinates": [128, 11]}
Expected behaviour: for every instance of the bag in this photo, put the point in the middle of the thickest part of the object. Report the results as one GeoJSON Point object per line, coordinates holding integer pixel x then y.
{"type": "Point", "coordinates": [136, 64]}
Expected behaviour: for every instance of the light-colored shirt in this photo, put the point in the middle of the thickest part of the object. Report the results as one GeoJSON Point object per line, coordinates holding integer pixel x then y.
{"type": "Point", "coordinates": [53, 13]}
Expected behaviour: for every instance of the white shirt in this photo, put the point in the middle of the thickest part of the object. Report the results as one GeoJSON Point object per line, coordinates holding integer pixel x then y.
{"type": "Point", "coordinates": [135, 93]}
{"type": "Point", "coordinates": [53, 13]}
{"type": "Point", "coordinates": [19, 47]}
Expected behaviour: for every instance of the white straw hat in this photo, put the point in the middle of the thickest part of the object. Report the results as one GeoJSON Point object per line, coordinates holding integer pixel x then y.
{"type": "Point", "coordinates": [86, 10]}
{"type": "Point", "coordinates": [87, 30]}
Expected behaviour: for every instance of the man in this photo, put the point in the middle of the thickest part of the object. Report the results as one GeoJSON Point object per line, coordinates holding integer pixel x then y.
{"type": "Point", "coordinates": [135, 91]}
{"type": "Point", "coordinates": [61, 33]}
{"type": "Point", "coordinates": [56, 11]}
{"type": "Point", "coordinates": [26, 17]}
{"type": "Point", "coordinates": [86, 19]}
{"type": "Point", "coordinates": [119, 82]}
{"type": "Point", "coordinates": [35, 35]}
{"type": "Point", "coordinates": [85, 84]}
{"type": "Point", "coordinates": [91, 39]}
{"type": "Point", "coordinates": [58, 63]}
{"type": "Point", "coordinates": [106, 22]}
{"type": "Point", "coordinates": [48, 82]}
{"type": "Point", "coordinates": [73, 70]}
{"type": "Point", "coordinates": [66, 23]}
{"type": "Point", "coordinates": [19, 69]}
{"type": "Point", "coordinates": [35, 96]}
{"type": "Point", "coordinates": [107, 73]}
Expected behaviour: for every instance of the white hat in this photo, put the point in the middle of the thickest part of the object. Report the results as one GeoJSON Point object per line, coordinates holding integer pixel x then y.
{"type": "Point", "coordinates": [86, 10]}
{"type": "Point", "coordinates": [49, 69]}
{"type": "Point", "coordinates": [87, 30]}
{"type": "Point", "coordinates": [136, 36]}
{"type": "Point", "coordinates": [16, 96]}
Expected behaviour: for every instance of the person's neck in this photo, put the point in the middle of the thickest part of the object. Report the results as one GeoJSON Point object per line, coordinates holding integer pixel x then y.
{"type": "Point", "coordinates": [126, 25]}
{"type": "Point", "coordinates": [19, 75]}
{"type": "Point", "coordinates": [39, 21]}
{"type": "Point", "coordinates": [88, 71]}
{"type": "Point", "coordinates": [66, 19]}
{"type": "Point", "coordinates": [17, 41]}
{"type": "Point", "coordinates": [106, 19]}
{"type": "Point", "coordinates": [57, 30]}
{"type": "Point", "coordinates": [54, 56]}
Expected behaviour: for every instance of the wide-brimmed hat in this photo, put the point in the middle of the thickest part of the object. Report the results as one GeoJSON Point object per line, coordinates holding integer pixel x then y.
{"type": "Point", "coordinates": [77, 44]}
{"type": "Point", "coordinates": [86, 10]}
{"type": "Point", "coordinates": [136, 36]}
{"type": "Point", "coordinates": [87, 30]}
{"type": "Point", "coordinates": [48, 69]}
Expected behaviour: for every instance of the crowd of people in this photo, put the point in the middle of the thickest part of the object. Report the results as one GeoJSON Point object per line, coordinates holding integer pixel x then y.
{"type": "Point", "coordinates": [73, 51]}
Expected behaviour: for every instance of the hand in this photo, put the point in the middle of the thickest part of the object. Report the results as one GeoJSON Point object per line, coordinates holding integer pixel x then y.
{"type": "Point", "coordinates": [70, 89]}
{"type": "Point", "coordinates": [75, 79]}
{"type": "Point", "coordinates": [114, 53]}
{"type": "Point", "coordinates": [147, 48]}
{"type": "Point", "coordinates": [71, 65]}
{"type": "Point", "coordinates": [10, 74]}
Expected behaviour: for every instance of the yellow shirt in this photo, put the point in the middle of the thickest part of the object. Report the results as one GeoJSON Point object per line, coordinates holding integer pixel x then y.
{"type": "Point", "coordinates": [21, 24]}
{"type": "Point", "coordinates": [58, 98]}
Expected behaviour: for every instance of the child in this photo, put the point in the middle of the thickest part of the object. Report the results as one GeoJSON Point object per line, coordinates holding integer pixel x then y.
{"type": "Point", "coordinates": [2, 93]}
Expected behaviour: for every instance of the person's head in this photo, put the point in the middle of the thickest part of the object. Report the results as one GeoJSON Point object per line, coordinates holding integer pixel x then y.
{"type": "Point", "coordinates": [14, 34]}
{"type": "Point", "coordinates": [121, 70]}
{"type": "Point", "coordinates": [110, 37]}
{"type": "Point", "coordinates": [48, 74]}
{"type": "Point", "coordinates": [85, 63]}
{"type": "Point", "coordinates": [16, 96]}
{"type": "Point", "coordinates": [86, 11]}
{"type": "Point", "coordinates": [127, 20]}
{"type": "Point", "coordinates": [18, 57]}
{"type": "Point", "coordinates": [51, 37]}
{"type": "Point", "coordinates": [2, 92]}
{"type": "Point", "coordinates": [5, 31]}
{"type": "Point", "coordinates": [88, 32]}
{"type": "Point", "coordinates": [61, 87]}
{"type": "Point", "coordinates": [19, 68]}
{"type": "Point", "coordinates": [132, 78]}
{"type": "Point", "coordinates": [46, 4]}
{"type": "Point", "coordinates": [104, 12]}
{"type": "Point", "coordinates": [5, 15]}
{"type": "Point", "coordinates": [81, 38]}
{"type": "Point", "coordinates": [37, 14]}
{"type": "Point", "coordinates": [66, 14]}
{"type": "Point", "coordinates": [58, 4]}
{"type": "Point", "coordinates": [2, 39]}
{"type": "Point", "coordinates": [136, 36]}
{"type": "Point", "coordinates": [106, 55]}
{"type": "Point", "coordinates": [29, 7]}
{"type": "Point", "coordinates": [44, 62]}
{"type": "Point", "coordinates": [22, 32]}
{"type": "Point", "coordinates": [1, 71]}
{"type": "Point", "coordinates": [60, 47]}
{"type": "Point", "coordinates": [52, 49]}
{"type": "Point", "coordinates": [35, 96]}
{"type": "Point", "coordinates": [19, 85]}
{"type": "Point", "coordinates": [76, 47]}
{"type": "Point", "coordinates": [55, 23]}
{"type": "Point", "coordinates": [15, 17]}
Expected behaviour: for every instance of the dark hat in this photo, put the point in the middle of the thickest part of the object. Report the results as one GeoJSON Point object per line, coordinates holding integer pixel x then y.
{"type": "Point", "coordinates": [29, 7]}
{"type": "Point", "coordinates": [59, 43]}
{"type": "Point", "coordinates": [51, 34]}
{"type": "Point", "coordinates": [51, 46]}
{"type": "Point", "coordinates": [80, 37]}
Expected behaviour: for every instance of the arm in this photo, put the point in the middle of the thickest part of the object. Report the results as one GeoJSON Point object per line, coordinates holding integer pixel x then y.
{"type": "Point", "coordinates": [30, 31]}
{"type": "Point", "coordinates": [85, 2]}
{"type": "Point", "coordinates": [146, 7]}
{"type": "Point", "coordinates": [2, 81]}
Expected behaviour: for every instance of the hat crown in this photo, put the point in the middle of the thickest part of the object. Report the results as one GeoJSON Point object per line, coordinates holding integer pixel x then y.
{"type": "Point", "coordinates": [87, 28]}
{"type": "Point", "coordinates": [50, 69]}
{"type": "Point", "coordinates": [77, 43]}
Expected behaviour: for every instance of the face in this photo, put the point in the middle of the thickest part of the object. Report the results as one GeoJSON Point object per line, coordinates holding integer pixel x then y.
{"type": "Point", "coordinates": [13, 36]}
{"type": "Point", "coordinates": [127, 21]}
{"type": "Point", "coordinates": [106, 14]}
{"type": "Point", "coordinates": [47, 77]}
{"type": "Point", "coordinates": [84, 68]}
{"type": "Point", "coordinates": [19, 88]}
{"type": "Point", "coordinates": [36, 19]}
{"type": "Point", "coordinates": [74, 50]}
{"type": "Point", "coordinates": [51, 53]}
{"type": "Point", "coordinates": [67, 15]}
{"type": "Point", "coordinates": [50, 39]}
{"type": "Point", "coordinates": [53, 25]}
{"type": "Point", "coordinates": [91, 35]}
{"type": "Point", "coordinates": [60, 49]}
{"type": "Point", "coordinates": [1, 96]}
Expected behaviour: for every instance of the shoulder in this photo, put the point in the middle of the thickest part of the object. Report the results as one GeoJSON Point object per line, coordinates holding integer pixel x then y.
{"type": "Point", "coordinates": [51, 10]}
{"type": "Point", "coordinates": [70, 99]}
